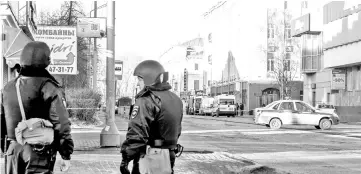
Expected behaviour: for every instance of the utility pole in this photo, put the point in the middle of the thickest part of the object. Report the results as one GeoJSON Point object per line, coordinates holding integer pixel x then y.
{"type": "Point", "coordinates": [110, 136]}
{"type": "Point", "coordinates": [95, 55]}
{"type": "Point", "coordinates": [2, 38]}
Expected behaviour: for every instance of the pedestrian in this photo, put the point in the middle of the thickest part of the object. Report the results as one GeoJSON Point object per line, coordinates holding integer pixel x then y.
{"type": "Point", "coordinates": [31, 98]}
{"type": "Point", "coordinates": [241, 107]}
{"type": "Point", "coordinates": [237, 109]}
{"type": "Point", "coordinates": [155, 122]}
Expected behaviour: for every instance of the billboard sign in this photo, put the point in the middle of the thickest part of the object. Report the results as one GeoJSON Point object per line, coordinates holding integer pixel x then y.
{"type": "Point", "coordinates": [118, 66]}
{"type": "Point", "coordinates": [62, 41]}
{"type": "Point", "coordinates": [338, 79]}
{"type": "Point", "coordinates": [91, 27]}
{"type": "Point", "coordinates": [300, 25]}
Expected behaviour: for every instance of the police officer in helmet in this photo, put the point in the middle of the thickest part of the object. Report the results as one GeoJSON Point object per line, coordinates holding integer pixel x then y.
{"type": "Point", "coordinates": [41, 97]}
{"type": "Point", "coordinates": [156, 117]}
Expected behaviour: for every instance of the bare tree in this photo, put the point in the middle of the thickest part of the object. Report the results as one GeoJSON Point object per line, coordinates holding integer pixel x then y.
{"type": "Point", "coordinates": [67, 16]}
{"type": "Point", "coordinates": [281, 50]}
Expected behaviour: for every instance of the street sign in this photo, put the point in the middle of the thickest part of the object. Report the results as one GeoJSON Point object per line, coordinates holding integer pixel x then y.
{"type": "Point", "coordinates": [91, 27]}
{"type": "Point", "coordinates": [185, 80]}
{"type": "Point", "coordinates": [62, 41]}
{"type": "Point", "coordinates": [118, 66]}
{"type": "Point", "coordinates": [338, 79]}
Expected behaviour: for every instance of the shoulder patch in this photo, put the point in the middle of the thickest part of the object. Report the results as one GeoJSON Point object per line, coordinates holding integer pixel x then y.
{"type": "Point", "coordinates": [135, 112]}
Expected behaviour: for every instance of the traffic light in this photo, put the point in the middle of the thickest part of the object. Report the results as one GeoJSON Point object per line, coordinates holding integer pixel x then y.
{"type": "Point", "coordinates": [185, 80]}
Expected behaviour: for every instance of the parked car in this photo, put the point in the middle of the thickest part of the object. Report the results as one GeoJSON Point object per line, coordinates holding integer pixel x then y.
{"type": "Point", "coordinates": [257, 111]}
{"type": "Point", "coordinates": [295, 112]}
{"type": "Point", "coordinates": [327, 108]}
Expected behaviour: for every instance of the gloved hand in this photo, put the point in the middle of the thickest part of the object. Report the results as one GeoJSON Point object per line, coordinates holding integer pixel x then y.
{"type": "Point", "coordinates": [124, 167]}
{"type": "Point", "coordinates": [64, 165]}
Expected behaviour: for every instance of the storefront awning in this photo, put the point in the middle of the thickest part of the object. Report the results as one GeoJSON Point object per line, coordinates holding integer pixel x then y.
{"type": "Point", "coordinates": [16, 40]}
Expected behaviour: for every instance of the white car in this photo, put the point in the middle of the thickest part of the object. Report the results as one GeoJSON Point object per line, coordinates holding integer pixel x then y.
{"type": "Point", "coordinates": [294, 112]}
{"type": "Point", "coordinates": [327, 108]}
{"type": "Point", "coordinates": [257, 111]}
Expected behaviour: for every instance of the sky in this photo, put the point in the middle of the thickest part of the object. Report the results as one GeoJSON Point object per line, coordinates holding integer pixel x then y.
{"type": "Point", "coordinates": [149, 28]}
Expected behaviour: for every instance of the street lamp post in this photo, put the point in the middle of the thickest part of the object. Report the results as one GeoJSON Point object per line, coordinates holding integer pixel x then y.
{"type": "Point", "coordinates": [110, 136]}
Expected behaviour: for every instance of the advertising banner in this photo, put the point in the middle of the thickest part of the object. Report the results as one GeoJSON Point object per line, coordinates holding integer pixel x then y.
{"type": "Point", "coordinates": [62, 41]}
{"type": "Point", "coordinates": [338, 79]}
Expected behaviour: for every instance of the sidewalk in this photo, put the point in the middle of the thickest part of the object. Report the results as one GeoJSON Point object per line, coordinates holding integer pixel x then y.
{"type": "Point", "coordinates": [201, 158]}
{"type": "Point", "coordinates": [188, 163]}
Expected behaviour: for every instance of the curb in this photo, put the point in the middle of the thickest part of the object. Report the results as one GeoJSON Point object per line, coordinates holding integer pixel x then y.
{"type": "Point", "coordinates": [100, 149]}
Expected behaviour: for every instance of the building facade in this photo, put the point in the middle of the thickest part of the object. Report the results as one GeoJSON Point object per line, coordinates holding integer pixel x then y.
{"type": "Point", "coordinates": [244, 50]}
{"type": "Point", "coordinates": [331, 62]}
{"type": "Point", "coordinates": [17, 28]}
{"type": "Point", "coordinates": [187, 67]}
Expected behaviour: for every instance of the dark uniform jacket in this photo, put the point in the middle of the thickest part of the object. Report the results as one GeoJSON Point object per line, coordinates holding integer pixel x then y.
{"type": "Point", "coordinates": [157, 115]}
{"type": "Point", "coordinates": [42, 98]}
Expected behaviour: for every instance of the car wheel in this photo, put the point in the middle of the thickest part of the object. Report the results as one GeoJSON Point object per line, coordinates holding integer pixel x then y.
{"type": "Point", "coordinates": [275, 123]}
{"type": "Point", "coordinates": [325, 124]}
{"type": "Point", "coordinates": [317, 127]}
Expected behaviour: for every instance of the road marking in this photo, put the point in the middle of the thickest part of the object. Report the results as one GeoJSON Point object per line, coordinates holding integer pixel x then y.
{"type": "Point", "coordinates": [347, 134]}
{"type": "Point", "coordinates": [303, 155]}
{"type": "Point", "coordinates": [243, 131]}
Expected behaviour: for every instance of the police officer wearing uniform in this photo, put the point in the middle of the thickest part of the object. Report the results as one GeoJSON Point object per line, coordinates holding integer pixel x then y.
{"type": "Point", "coordinates": [156, 117]}
{"type": "Point", "coordinates": [42, 97]}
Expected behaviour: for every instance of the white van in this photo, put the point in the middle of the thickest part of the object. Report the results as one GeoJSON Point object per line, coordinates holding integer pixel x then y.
{"type": "Point", "coordinates": [206, 106]}
{"type": "Point", "coordinates": [224, 105]}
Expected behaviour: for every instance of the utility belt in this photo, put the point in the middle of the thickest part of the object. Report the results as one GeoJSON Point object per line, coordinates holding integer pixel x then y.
{"type": "Point", "coordinates": [168, 144]}
{"type": "Point", "coordinates": [38, 148]}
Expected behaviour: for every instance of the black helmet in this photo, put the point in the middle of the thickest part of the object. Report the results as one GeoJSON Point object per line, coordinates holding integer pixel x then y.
{"type": "Point", "coordinates": [150, 71]}
{"type": "Point", "coordinates": [35, 54]}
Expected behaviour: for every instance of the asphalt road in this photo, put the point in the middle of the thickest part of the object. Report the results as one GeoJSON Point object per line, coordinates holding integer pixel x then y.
{"type": "Point", "coordinates": [295, 149]}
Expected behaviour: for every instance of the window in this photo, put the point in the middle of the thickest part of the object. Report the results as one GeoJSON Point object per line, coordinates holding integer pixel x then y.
{"type": "Point", "coordinates": [358, 78]}
{"type": "Point", "coordinates": [287, 106]}
{"type": "Point", "coordinates": [328, 97]}
{"type": "Point", "coordinates": [276, 106]}
{"type": "Point", "coordinates": [270, 62]}
{"type": "Point", "coordinates": [196, 66]}
{"type": "Point", "coordinates": [226, 102]}
{"type": "Point", "coordinates": [311, 52]}
{"type": "Point", "coordinates": [288, 33]}
{"type": "Point", "coordinates": [288, 62]}
{"type": "Point", "coordinates": [271, 31]}
{"type": "Point", "coordinates": [301, 107]}
{"type": "Point", "coordinates": [196, 85]}
{"type": "Point", "coordinates": [349, 78]}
